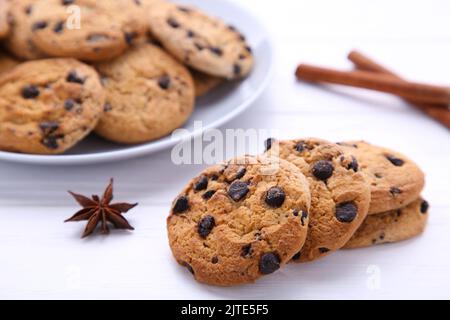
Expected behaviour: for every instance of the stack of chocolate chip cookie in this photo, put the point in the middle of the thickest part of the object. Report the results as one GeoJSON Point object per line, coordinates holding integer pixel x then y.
{"type": "Point", "coordinates": [129, 70]}
{"type": "Point", "coordinates": [298, 202]}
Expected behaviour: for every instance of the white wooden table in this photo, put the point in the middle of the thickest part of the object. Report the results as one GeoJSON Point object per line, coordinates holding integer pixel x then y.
{"type": "Point", "coordinates": [40, 257]}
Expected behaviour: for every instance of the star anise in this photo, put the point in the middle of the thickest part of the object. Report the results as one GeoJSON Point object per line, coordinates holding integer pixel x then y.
{"type": "Point", "coordinates": [96, 210]}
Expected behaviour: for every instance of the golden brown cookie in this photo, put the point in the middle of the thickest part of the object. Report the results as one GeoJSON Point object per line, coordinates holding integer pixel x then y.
{"type": "Point", "coordinates": [395, 180]}
{"type": "Point", "coordinates": [340, 194]}
{"type": "Point", "coordinates": [204, 43]}
{"type": "Point", "coordinates": [239, 221]}
{"type": "Point", "coordinates": [204, 83]}
{"type": "Point", "coordinates": [47, 106]}
{"type": "Point", "coordinates": [19, 40]}
{"type": "Point", "coordinates": [393, 226]}
{"type": "Point", "coordinates": [7, 62]}
{"type": "Point", "coordinates": [148, 95]}
{"type": "Point", "coordinates": [88, 30]}
{"type": "Point", "coordinates": [4, 20]}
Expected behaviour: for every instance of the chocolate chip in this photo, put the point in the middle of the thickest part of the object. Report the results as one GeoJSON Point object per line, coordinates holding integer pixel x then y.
{"type": "Point", "coordinates": [300, 147]}
{"type": "Point", "coordinates": [323, 170]}
{"type": "Point", "coordinates": [240, 173]}
{"type": "Point", "coordinates": [238, 190]}
{"type": "Point", "coordinates": [199, 46]}
{"type": "Point", "coordinates": [181, 205]}
{"type": "Point", "coordinates": [215, 260]}
{"type": "Point", "coordinates": [424, 206]}
{"type": "Point", "coordinates": [247, 251]}
{"type": "Point", "coordinates": [346, 212]}
{"type": "Point", "coordinates": [395, 161]}
{"type": "Point", "coordinates": [216, 50]}
{"type": "Point", "coordinates": [51, 142]}
{"type": "Point", "coordinates": [237, 70]}
{"type": "Point", "coordinates": [130, 36]}
{"type": "Point", "coordinates": [382, 236]}
{"type": "Point", "coordinates": [164, 82]}
{"type": "Point", "coordinates": [275, 197]}
{"type": "Point", "coordinates": [201, 183]}
{"type": "Point", "coordinates": [69, 104]}
{"type": "Point", "coordinates": [59, 26]}
{"type": "Point", "coordinates": [324, 250]}
{"type": "Point", "coordinates": [297, 256]}
{"type": "Point", "coordinates": [304, 217]}
{"type": "Point", "coordinates": [107, 107]}
{"type": "Point", "coordinates": [295, 212]}
{"type": "Point", "coordinates": [378, 175]}
{"type": "Point", "coordinates": [67, 2]}
{"type": "Point", "coordinates": [269, 263]}
{"type": "Point", "coordinates": [189, 267]}
{"type": "Point", "coordinates": [30, 92]}
{"type": "Point", "coordinates": [214, 177]}
{"type": "Point", "coordinates": [208, 194]}
{"type": "Point", "coordinates": [268, 143]}
{"type": "Point", "coordinates": [39, 25]}
{"type": "Point", "coordinates": [395, 191]}
{"type": "Point", "coordinates": [74, 77]}
{"type": "Point", "coordinates": [173, 23]}
{"type": "Point", "coordinates": [249, 50]}
{"type": "Point", "coordinates": [353, 165]}
{"type": "Point", "coordinates": [190, 34]}
{"type": "Point", "coordinates": [28, 10]}
{"type": "Point", "coordinates": [205, 226]}
{"type": "Point", "coordinates": [49, 127]}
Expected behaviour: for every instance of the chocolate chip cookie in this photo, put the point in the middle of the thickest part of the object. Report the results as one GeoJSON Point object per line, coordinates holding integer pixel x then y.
{"type": "Point", "coordinates": [47, 106]}
{"type": "Point", "coordinates": [148, 95]}
{"type": "Point", "coordinates": [19, 41]}
{"type": "Point", "coordinates": [204, 83]}
{"type": "Point", "coordinates": [88, 30]}
{"type": "Point", "coordinates": [340, 194]}
{"type": "Point", "coordinates": [4, 23]}
{"type": "Point", "coordinates": [200, 41]}
{"type": "Point", "coordinates": [239, 221]}
{"type": "Point", "coordinates": [393, 226]}
{"type": "Point", "coordinates": [395, 180]}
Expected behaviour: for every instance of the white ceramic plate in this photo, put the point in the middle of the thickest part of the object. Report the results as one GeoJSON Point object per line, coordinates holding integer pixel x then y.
{"type": "Point", "coordinates": [215, 109]}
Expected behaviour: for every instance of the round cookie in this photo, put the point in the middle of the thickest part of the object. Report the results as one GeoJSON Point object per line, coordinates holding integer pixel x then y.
{"type": "Point", "coordinates": [239, 221]}
{"type": "Point", "coordinates": [340, 194]}
{"type": "Point", "coordinates": [395, 180]}
{"type": "Point", "coordinates": [4, 20]}
{"type": "Point", "coordinates": [47, 106]}
{"type": "Point", "coordinates": [88, 30]}
{"type": "Point", "coordinates": [19, 40]}
{"type": "Point", "coordinates": [200, 41]}
{"type": "Point", "coordinates": [148, 95]}
{"type": "Point", "coordinates": [7, 62]}
{"type": "Point", "coordinates": [204, 83]}
{"type": "Point", "coordinates": [393, 226]}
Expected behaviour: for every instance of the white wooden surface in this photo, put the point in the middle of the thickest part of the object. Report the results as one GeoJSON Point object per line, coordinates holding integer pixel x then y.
{"type": "Point", "coordinates": [40, 257]}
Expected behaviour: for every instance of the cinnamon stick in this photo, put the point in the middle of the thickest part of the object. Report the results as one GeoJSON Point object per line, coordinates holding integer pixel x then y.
{"type": "Point", "coordinates": [440, 113]}
{"type": "Point", "coordinates": [379, 82]}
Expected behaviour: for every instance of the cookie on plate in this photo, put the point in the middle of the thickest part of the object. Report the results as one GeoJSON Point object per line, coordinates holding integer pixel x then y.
{"type": "Point", "coordinates": [200, 41]}
{"type": "Point", "coordinates": [4, 20]}
{"type": "Point", "coordinates": [340, 194]}
{"type": "Point", "coordinates": [19, 40]}
{"type": "Point", "coordinates": [395, 180]}
{"type": "Point", "coordinates": [393, 226]}
{"type": "Point", "coordinates": [7, 62]}
{"type": "Point", "coordinates": [88, 30]}
{"type": "Point", "coordinates": [148, 95]}
{"type": "Point", "coordinates": [47, 106]}
{"type": "Point", "coordinates": [204, 83]}
{"type": "Point", "coordinates": [239, 221]}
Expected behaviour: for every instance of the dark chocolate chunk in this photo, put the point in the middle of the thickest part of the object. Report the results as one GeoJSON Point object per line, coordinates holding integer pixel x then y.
{"type": "Point", "coordinates": [130, 36]}
{"type": "Point", "coordinates": [49, 127]}
{"type": "Point", "coordinates": [205, 226]}
{"type": "Point", "coordinates": [395, 161]}
{"type": "Point", "coordinates": [275, 197]}
{"type": "Point", "coordinates": [69, 104]}
{"type": "Point", "coordinates": [246, 251]}
{"type": "Point", "coordinates": [324, 250]}
{"type": "Point", "coordinates": [238, 190]}
{"type": "Point", "coordinates": [73, 77]}
{"type": "Point", "coordinates": [59, 27]}
{"type": "Point", "coordinates": [181, 205]}
{"type": "Point", "coordinates": [353, 165]}
{"type": "Point", "coordinates": [39, 25]}
{"type": "Point", "coordinates": [268, 143]}
{"type": "Point", "coordinates": [215, 260]}
{"type": "Point", "coordinates": [30, 92]}
{"type": "Point", "coordinates": [67, 2]}
{"type": "Point", "coordinates": [395, 191]}
{"type": "Point", "coordinates": [269, 263]}
{"type": "Point", "coordinates": [300, 147]}
{"type": "Point", "coordinates": [297, 256]}
{"type": "Point", "coordinates": [201, 183]}
{"type": "Point", "coordinates": [208, 194]}
{"type": "Point", "coordinates": [173, 23]}
{"type": "Point", "coordinates": [323, 170]}
{"type": "Point", "coordinates": [346, 212]}
{"type": "Point", "coordinates": [424, 206]}
{"type": "Point", "coordinates": [164, 82]}
{"type": "Point", "coordinates": [216, 50]}
{"type": "Point", "coordinates": [304, 217]}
